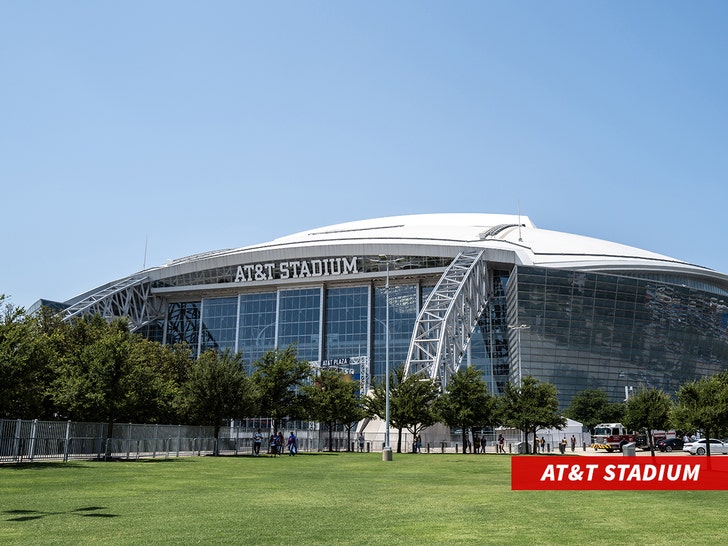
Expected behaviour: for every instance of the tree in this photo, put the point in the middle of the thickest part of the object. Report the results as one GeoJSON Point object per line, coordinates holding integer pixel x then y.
{"type": "Point", "coordinates": [466, 402]}
{"type": "Point", "coordinates": [332, 399]}
{"type": "Point", "coordinates": [701, 406]}
{"type": "Point", "coordinates": [216, 390]}
{"type": "Point", "coordinates": [592, 406]}
{"type": "Point", "coordinates": [648, 410]}
{"type": "Point", "coordinates": [375, 403]}
{"type": "Point", "coordinates": [410, 402]}
{"type": "Point", "coordinates": [91, 383]}
{"type": "Point", "coordinates": [106, 373]}
{"type": "Point", "coordinates": [531, 406]}
{"type": "Point", "coordinates": [416, 398]}
{"type": "Point", "coordinates": [277, 382]}
{"type": "Point", "coordinates": [26, 357]}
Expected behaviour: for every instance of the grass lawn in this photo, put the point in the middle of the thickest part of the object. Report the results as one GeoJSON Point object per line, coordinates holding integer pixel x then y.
{"type": "Point", "coordinates": [332, 498]}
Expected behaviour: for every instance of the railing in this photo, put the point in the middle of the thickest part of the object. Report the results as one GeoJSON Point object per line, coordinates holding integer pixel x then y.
{"type": "Point", "coordinates": [34, 440]}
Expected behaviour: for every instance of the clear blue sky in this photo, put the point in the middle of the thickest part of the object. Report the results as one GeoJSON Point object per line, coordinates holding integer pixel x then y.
{"type": "Point", "coordinates": [185, 126]}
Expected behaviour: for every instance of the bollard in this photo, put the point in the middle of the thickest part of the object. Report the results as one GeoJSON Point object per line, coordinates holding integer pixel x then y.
{"type": "Point", "coordinates": [510, 448]}
{"type": "Point", "coordinates": [428, 447]}
{"type": "Point", "coordinates": [456, 448]}
{"type": "Point", "coordinates": [368, 446]}
{"type": "Point", "coordinates": [583, 444]}
{"type": "Point", "coordinates": [442, 446]}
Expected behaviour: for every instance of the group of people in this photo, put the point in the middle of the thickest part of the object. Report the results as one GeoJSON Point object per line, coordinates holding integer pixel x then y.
{"type": "Point", "coordinates": [275, 444]}
{"type": "Point", "coordinates": [478, 445]}
{"type": "Point", "coordinates": [563, 443]}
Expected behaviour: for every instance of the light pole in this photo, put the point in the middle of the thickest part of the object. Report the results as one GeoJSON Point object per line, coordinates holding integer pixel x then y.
{"type": "Point", "coordinates": [518, 343]}
{"type": "Point", "coordinates": [387, 451]}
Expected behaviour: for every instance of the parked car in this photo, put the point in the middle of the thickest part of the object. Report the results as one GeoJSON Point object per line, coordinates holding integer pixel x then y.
{"type": "Point", "coordinates": [698, 447]}
{"type": "Point", "coordinates": [670, 444]}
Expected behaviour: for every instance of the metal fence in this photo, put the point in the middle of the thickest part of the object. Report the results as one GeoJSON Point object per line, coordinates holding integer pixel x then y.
{"type": "Point", "coordinates": [23, 440]}
{"type": "Point", "coordinates": [34, 440]}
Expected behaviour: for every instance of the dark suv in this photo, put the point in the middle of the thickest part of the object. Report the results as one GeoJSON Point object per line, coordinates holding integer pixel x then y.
{"type": "Point", "coordinates": [670, 444]}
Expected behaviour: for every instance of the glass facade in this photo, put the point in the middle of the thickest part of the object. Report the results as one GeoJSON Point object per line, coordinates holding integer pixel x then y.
{"type": "Point", "coordinates": [347, 322]}
{"type": "Point", "coordinates": [256, 326]}
{"type": "Point", "coordinates": [403, 310]}
{"type": "Point", "coordinates": [488, 350]}
{"type": "Point", "coordinates": [608, 331]}
{"type": "Point", "coordinates": [219, 324]}
{"type": "Point", "coordinates": [258, 322]}
{"type": "Point", "coordinates": [183, 324]}
{"type": "Point", "coordinates": [299, 321]}
{"type": "Point", "coordinates": [575, 330]}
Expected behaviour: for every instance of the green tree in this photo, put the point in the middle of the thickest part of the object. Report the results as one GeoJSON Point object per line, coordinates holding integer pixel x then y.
{"type": "Point", "coordinates": [466, 402]}
{"type": "Point", "coordinates": [332, 399]}
{"type": "Point", "coordinates": [26, 357]}
{"type": "Point", "coordinates": [216, 390]}
{"type": "Point", "coordinates": [91, 381]}
{"type": "Point", "coordinates": [647, 411]}
{"type": "Point", "coordinates": [106, 373]}
{"type": "Point", "coordinates": [703, 406]}
{"type": "Point", "coordinates": [410, 402]}
{"type": "Point", "coordinates": [277, 382]}
{"type": "Point", "coordinates": [416, 397]}
{"type": "Point", "coordinates": [592, 407]}
{"type": "Point", "coordinates": [531, 406]}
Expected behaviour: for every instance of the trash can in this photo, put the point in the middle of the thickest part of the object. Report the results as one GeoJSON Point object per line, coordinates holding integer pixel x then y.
{"type": "Point", "coordinates": [629, 450]}
{"type": "Point", "coordinates": [521, 447]}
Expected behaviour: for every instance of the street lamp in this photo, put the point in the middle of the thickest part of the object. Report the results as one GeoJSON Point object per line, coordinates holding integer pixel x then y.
{"type": "Point", "coordinates": [518, 338]}
{"type": "Point", "coordinates": [387, 451]}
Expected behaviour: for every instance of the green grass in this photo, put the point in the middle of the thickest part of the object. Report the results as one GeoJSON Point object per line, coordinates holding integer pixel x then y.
{"type": "Point", "coordinates": [332, 498]}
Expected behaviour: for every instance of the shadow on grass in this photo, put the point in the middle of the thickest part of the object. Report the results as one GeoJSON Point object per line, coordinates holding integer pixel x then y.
{"type": "Point", "coordinates": [142, 460]}
{"type": "Point", "coordinates": [80, 464]}
{"type": "Point", "coordinates": [39, 465]}
{"type": "Point", "coordinates": [30, 515]}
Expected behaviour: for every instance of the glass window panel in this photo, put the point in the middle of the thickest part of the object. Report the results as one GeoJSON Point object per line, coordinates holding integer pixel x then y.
{"type": "Point", "coordinates": [402, 316]}
{"type": "Point", "coordinates": [219, 322]}
{"type": "Point", "coordinates": [183, 324]}
{"type": "Point", "coordinates": [347, 319]}
{"type": "Point", "coordinates": [299, 321]}
{"type": "Point", "coordinates": [257, 329]}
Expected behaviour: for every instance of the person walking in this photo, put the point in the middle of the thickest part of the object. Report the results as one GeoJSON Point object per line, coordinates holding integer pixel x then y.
{"type": "Point", "coordinates": [361, 442]}
{"type": "Point", "coordinates": [573, 443]}
{"type": "Point", "coordinates": [292, 444]}
{"type": "Point", "coordinates": [272, 447]}
{"type": "Point", "coordinates": [501, 443]}
{"type": "Point", "coordinates": [257, 441]}
{"type": "Point", "coordinates": [543, 445]}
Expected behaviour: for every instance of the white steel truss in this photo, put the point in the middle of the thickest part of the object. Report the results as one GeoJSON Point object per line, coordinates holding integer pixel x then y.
{"type": "Point", "coordinates": [130, 297]}
{"type": "Point", "coordinates": [449, 317]}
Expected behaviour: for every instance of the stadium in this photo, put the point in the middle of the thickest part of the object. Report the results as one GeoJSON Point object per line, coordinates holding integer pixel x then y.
{"type": "Point", "coordinates": [440, 291]}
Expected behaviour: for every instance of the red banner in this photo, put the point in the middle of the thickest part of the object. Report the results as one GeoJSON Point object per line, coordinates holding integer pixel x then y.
{"type": "Point", "coordinates": [619, 473]}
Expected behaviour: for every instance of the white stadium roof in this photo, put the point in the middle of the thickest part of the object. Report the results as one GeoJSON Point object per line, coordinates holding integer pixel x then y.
{"type": "Point", "coordinates": [507, 239]}
{"type": "Point", "coordinates": [499, 232]}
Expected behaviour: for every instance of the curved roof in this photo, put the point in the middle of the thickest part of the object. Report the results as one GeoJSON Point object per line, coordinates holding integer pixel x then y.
{"type": "Point", "coordinates": [517, 234]}
{"type": "Point", "coordinates": [507, 238]}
